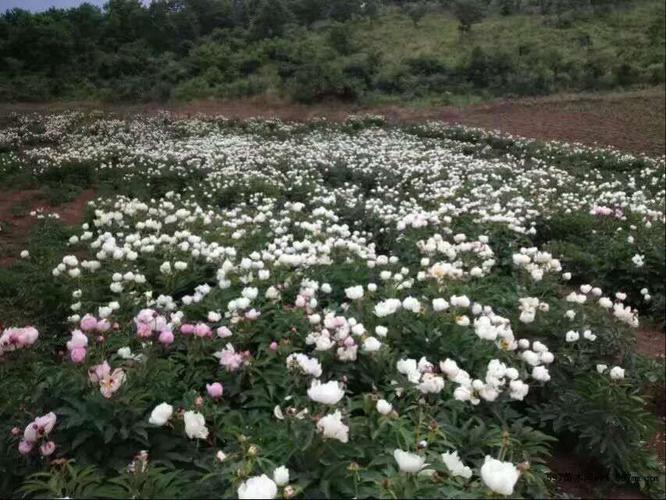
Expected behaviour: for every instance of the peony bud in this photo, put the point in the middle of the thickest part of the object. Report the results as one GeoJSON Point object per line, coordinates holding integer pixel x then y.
{"type": "Point", "coordinates": [215, 390]}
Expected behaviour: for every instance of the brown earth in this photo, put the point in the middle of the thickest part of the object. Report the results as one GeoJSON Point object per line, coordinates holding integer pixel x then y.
{"type": "Point", "coordinates": [578, 477]}
{"type": "Point", "coordinates": [651, 343]}
{"type": "Point", "coordinates": [16, 222]}
{"type": "Point", "coordinates": [631, 121]}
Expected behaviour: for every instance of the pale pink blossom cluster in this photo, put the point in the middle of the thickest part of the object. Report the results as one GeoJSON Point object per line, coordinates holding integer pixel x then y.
{"type": "Point", "coordinates": [37, 433]}
{"type": "Point", "coordinates": [198, 330]}
{"type": "Point", "coordinates": [109, 381]}
{"type": "Point", "coordinates": [17, 338]}
{"type": "Point", "coordinates": [603, 211]}
{"type": "Point", "coordinates": [149, 321]}
{"type": "Point", "coordinates": [77, 346]}
{"type": "Point", "coordinates": [215, 390]}
{"type": "Point", "coordinates": [91, 324]}
{"type": "Point", "coordinates": [232, 360]}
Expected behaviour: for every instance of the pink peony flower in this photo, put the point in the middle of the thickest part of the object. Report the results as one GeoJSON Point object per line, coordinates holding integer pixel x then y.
{"type": "Point", "coordinates": [252, 314]}
{"type": "Point", "coordinates": [26, 336]}
{"type": "Point", "coordinates": [202, 330]}
{"type": "Point", "coordinates": [103, 325]}
{"type": "Point", "coordinates": [230, 360]}
{"type": "Point", "coordinates": [40, 427]}
{"type": "Point", "coordinates": [16, 338]}
{"type": "Point", "coordinates": [215, 390]}
{"type": "Point", "coordinates": [46, 423]}
{"type": "Point", "coordinates": [144, 330]}
{"type": "Point", "coordinates": [111, 383]}
{"type": "Point", "coordinates": [78, 354]}
{"type": "Point", "coordinates": [223, 332]}
{"type": "Point", "coordinates": [187, 329]}
{"type": "Point", "coordinates": [47, 448]}
{"type": "Point", "coordinates": [78, 340]}
{"type": "Point", "coordinates": [88, 323]}
{"type": "Point", "coordinates": [145, 316]}
{"type": "Point", "coordinates": [274, 346]}
{"type": "Point", "coordinates": [159, 323]}
{"type": "Point", "coordinates": [98, 372]}
{"type": "Point", "coordinates": [166, 337]}
{"type": "Point", "coordinates": [25, 447]}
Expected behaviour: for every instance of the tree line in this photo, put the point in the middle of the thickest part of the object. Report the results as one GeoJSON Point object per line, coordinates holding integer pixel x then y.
{"type": "Point", "coordinates": [304, 49]}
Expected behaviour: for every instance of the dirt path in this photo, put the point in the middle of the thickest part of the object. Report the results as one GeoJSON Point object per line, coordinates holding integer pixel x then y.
{"type": "Point", "coordinates": [631, 121]}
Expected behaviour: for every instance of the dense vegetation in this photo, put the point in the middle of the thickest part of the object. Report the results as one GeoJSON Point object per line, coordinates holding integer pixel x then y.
{"type": "Point", "coordinates": [318, 310]}
{"type": "Point", "coordinates": [310, 50]}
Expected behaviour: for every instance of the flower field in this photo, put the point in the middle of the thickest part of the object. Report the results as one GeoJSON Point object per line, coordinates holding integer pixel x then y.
{"type": "Point", "coordinates": [259, 309]}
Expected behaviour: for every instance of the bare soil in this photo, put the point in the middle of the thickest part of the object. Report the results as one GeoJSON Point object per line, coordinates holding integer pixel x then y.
{"type": "Point", "coordinates": [651, 343]}
{"type": "Point", "coordinates": [16, 223]}
{"type": "Point", "coordinates": [579, 477]}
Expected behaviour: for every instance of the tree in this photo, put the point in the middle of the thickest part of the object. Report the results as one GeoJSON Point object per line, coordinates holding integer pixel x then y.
{"type": "Point", "coordinates": [340, 38]}
{"type": "Point", "coordinates": [309, 11]}
{"type": "Point", "coordinates": [343, 10]}
{"type": "Point", "coordinates": [126, 21]}
{"type": "Point", "coordinates": [270, 19]}
{"type": "Point", "coordinates": [416, 11]}
{"type": "Point", "coordinates": [468, 12]}
{"type": "Point", "coordinates": [509, 7]}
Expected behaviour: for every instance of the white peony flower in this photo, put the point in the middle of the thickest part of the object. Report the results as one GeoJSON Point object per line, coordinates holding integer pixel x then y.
{"type": "Point", "coordinates": [331, 427]}
{"type": "Point", "coordinates": [455, 465]}
{"type": "Point", "coordinates": [281, 476]}
{"type": "Point", "coordinates": [195, 425]}
{"type": "Point", "coordinates": [329, 393]}
{"type": "Point", "coordinates": [371, 344]}
{"type": "Point", "coordinates": [572, 336]}
{"type": "Point", "coordinates": [258, 487]}
{"type": "Point", "coordinates": [540, 373]}
{"type": "Point", "coordinates": [384, 407]}
{"type": "Point", "coordinates": [500, 477]}
{"type": "Point", "coordinates": [161, 414]}
{"type": "Point", "coordinates": [408, 462]}
{"type": "Point", "coordinates": [354, 292]}
{"type": "Point", "coordinates": [439, 305]}
{"type": "Point", "coordinates": [519, 389]}
{"type": "Point", "coordinates": [431, 383]}
{"type": "Point", "coordinates": [411, 304]}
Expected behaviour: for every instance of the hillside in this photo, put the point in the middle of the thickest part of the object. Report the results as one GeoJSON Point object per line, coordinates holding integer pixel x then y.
{"type": "Point", "coordinates": [448, 52]}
